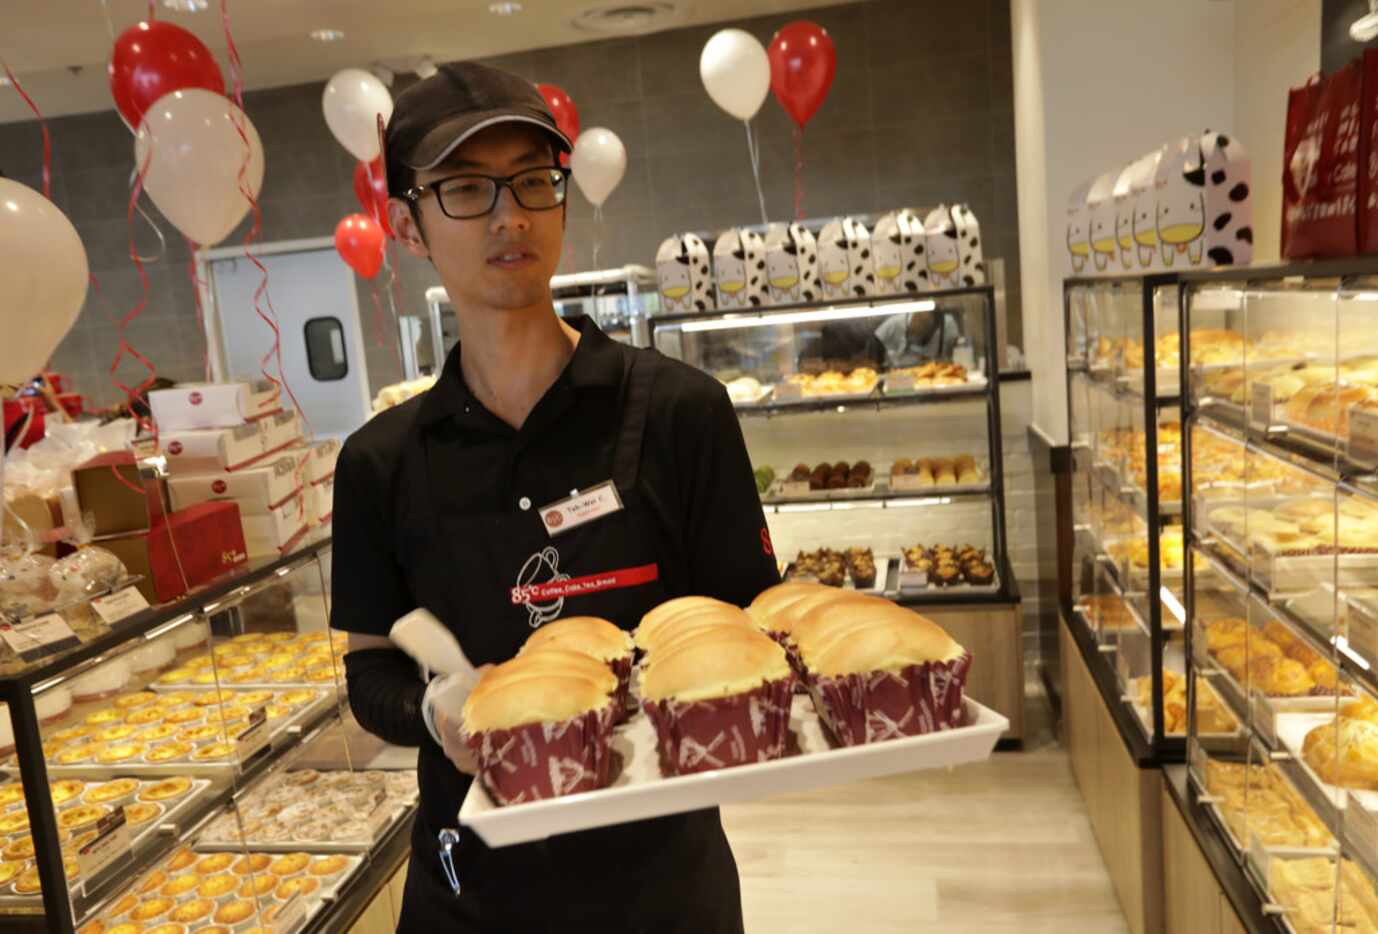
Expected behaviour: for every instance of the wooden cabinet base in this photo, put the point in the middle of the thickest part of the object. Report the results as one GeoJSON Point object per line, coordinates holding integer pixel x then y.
{"type": "Point", "coordinates": [1122, 799]}
{"type": "Point", "coordinates": [995, 636]}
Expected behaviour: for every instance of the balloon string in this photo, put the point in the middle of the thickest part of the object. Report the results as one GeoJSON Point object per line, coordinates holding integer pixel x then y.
{"type": "Point", "coordinates": [157, 231]}
{"type": "Point", "coordinates": [109, 24]}
{"type": "Point", "coordinates": [125, 347]}
{"type": "Point", "coordinates": [197, 284]}
{"type": "Point", "coordinates": [378, 324]}
{"type": "Point", "coordinates": [597, 232]}
{"type": "Point", "coordinates": [372, 201]}
{"type": "Point", "coordinates": [261, 293]}
{"type": "Point", "coordinates": [395, 303]}
{"type": "Point", "coordinates": [798, 173]}
{"type": "Point", "coordinates": [42, 125]}
{"type": "Point", "coordinates": [753, 150]}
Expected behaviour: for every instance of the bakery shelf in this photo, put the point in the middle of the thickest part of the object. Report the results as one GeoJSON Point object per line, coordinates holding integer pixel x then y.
{"type": "Point", "coordinates": [879, 498]}
{"type": "Point", "coordinates": [873, 401]}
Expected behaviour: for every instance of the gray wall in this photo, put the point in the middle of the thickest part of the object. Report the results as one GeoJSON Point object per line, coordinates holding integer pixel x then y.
{"type": "Point", "coordinates": [921, 112]}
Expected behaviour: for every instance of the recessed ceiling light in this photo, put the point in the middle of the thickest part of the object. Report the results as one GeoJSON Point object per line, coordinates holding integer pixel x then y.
{"type": "Point", "coordinates": [186, 6]}
{"type": "Point", "coordinates": [4, 82]}
{"type": "Point", "coordinates": [327, 35]}
{"type": "Point", "coordinates": [505, 7]}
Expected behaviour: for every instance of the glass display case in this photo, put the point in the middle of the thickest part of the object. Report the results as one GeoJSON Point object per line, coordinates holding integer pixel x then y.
{"type": "Point", "coordinates": [874, 432]}
{"type": "Point", "coordinates": [1282, 518]}
{"type": "Point", "coordinates": [193, 765]}
{"type": "Point", "coordinates": [1127, 557]}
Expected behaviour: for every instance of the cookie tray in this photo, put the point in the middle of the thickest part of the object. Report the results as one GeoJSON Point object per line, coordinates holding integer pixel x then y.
{"type": "Point", "coordinates": [640, 791]}
{"type": "Point", "coordinates": [395, 812]}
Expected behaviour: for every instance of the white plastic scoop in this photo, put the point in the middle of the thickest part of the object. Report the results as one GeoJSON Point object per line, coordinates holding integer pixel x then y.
{"type": "Point", "coordinates": [431, 645]}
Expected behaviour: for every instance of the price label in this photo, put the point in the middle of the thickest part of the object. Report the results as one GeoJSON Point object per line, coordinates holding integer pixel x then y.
{"type": "Point", "coordinates": [899, 382]}
{"type": "Point", "coordinates": [1264, 718]}
{"type": "Point", "coordinates": [1360, 825]}
{"type": "Point", "coordinates": [110, 848]}
{"type": "Point", "coordinates": [119, 605]}
{"type": "Point", "coordinates": [788, 392]}
{"type": "Point", "coordinates": [253, 739]}
{"type": "Point", "coordinates": [1261, 404]}
{"type": "Point", "coordinates": [794, 488]}
{"type": "Point", "coordinates": [1362, 446]}
{"type": "Point", "coordinates": [39, 637]}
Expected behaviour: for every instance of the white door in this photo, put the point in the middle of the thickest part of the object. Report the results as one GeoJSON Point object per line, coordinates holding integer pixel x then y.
{"type": "Point", "coordinates": [318, 314]}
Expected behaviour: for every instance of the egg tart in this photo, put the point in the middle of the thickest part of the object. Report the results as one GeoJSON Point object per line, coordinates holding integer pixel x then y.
{"type": "Point", "coordinates": [9, 869]}
{"type": "Point", "coordinates": [66, 789]}
{"type": "Point", "coordinates": [168, 927]}
{"type": "Point", "coordinates": [327, 865]}
{"type": "Point", "coordinates": [14, 822]}
{"type": "Point", "coordinates": [289, 865]}
{"type": "Point", "coordinates": [184, 715]}
{"type": "Point", "coordinates": [179, 886]}
{"type": "Point", "coordinates": [145, 716]}
{"type": "Point", "coordinates": [322, 675]}
{"type": "Point", "coordinates": [259, 885]}
{"type": "Point", "coordinates": [74, 755]}
{"type": "Point", "coordinates": [27, 883]}
{"type": "Point", "coordinates": [157, 733]}
{"type": "Point", "coordinates": [104, 717]}
{"type": "Point", "coordinates": [120, 731]}
{"type": "Point", "coordinates": [166, 752]}
{"type": "Point", "coordinates": [108, 792]}
{"type": "Point", "coordinates": [176, 698]}
{"type": "Point", "coordinates": [252, 699]}
{"type": "Point", "coordinates": [216, 862]}
{"type": "Point", "coordinates": [194, 910]}
{"type": "Point", "coordinates": [125, 903]}
{"type": "Point", "coordinates": [166, 789]}
{"type": "Point", "coordinates": [199, 734]}
{"type": "Point", "coordinates": [252, 863]}
{"type": "Point", "coordinates": [10, 793]}
{"type": "Point", "coordinates": [303, 884]}
{"type": "Point", "coordinates": [67, 734]}
{"type": "Point", "coordinates": [141, 813]}
{"type": "Point", "coordinates": [177, 676]}
{"type": "Point", "coordinates": [119, 752]}
{"type": "Point", "coordinates": [217, 886]}
{"type": "Point", "coordinates": [93, 927]}
{"type": "Point", "coordinates": [18, 850]}
{"type": "Point", "coordinates": [127, 927]}
{"type": "Point", "coordinates": [208, 676]}
{"type": "Point", "coordinates": [81, 816]}
{"type": "Point", "coordinates": [213, 751]}
{"type": "Point", "coordinates": [235, 912]}
{"type": "Point", "coordinates": [151, 908]}
{"type": "Point", "coordinates": [135, 700]}
{"type": "Point", "coordinates": [297, 697]}
{"type": "Point", "coordinates": [182, 859]}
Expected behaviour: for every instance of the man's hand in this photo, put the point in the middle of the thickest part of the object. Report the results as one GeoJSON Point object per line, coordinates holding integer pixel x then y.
{"type": "Point", "coordinates": [449, 725]}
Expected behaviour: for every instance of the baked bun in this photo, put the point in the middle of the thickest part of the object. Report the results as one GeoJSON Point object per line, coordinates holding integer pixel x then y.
{"type": "Point", "coordinates": [671, 609]}
{"type": "Point", "coordinates": [778, 608]}
{"type": "Point", "coordinates": [589, 635]}
{"type": "Point", "coordinates": [721, 661]}
{"type": "Point", "coordinates": [869, 634]}
{"type": "Point", "coordinates": [546, 686]}
{"type": "Point", "coordinates": [669, 642]}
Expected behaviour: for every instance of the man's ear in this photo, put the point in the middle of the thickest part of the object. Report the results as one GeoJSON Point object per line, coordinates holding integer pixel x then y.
{"type": "Point", "coordinates": [406, 224]}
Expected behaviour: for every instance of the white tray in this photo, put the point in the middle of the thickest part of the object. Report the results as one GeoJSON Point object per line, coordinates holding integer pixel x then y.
{"type": "Point", "coordinates": [974, 381]}
{"type": "Point", "coordinates": [641, 792]}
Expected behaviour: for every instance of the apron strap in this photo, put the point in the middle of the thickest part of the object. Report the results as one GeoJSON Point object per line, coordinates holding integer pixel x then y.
{"type": "Point", "coordinates": [636, 404]}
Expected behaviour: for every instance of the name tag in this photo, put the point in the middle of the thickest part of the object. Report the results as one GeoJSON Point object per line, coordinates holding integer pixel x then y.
{"type": "Point", "coordinates": [581, 508]}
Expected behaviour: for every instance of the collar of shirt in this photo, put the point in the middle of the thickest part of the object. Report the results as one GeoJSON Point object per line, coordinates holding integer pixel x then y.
{"type": "Point", "coordinates": [597, 362]}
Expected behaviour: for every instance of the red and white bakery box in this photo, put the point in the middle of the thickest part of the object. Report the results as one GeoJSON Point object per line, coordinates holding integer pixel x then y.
{"type": "Point", "coordinates": [277, 531]}
{"type": "Point", "coordinates": [193, 406]}
{"type": "Point", "coordinates": [320, 501]}
{"type": "Point", "coordinates": [212, 450]}
{"type": "Point", "coordinates": [258, 490]}
{"type": "Point", "coordinates": [183, 550]}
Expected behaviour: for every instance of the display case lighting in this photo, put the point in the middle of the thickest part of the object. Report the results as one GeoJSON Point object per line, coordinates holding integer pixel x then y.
{"type": "Point", "coordinates": [1363, 296]}
{"type": "Point", "coordinates": [1174, 606]}
{"type": "Point", "coordinates": [733, 322]}
{"type": "Point", "coordinates": [168, 626]}
{"type": "Point", "coordinates": [909, 502]}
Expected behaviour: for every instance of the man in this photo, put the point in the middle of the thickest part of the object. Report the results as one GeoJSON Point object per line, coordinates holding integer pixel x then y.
{"type": "Point", "coordinates": [919, 338]}
{"type": "Point", "coordinates": [440, 503]}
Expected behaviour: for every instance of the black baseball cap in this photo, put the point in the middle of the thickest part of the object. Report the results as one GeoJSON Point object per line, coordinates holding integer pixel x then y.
{"type": "Point", "coordinates": [433, 117]}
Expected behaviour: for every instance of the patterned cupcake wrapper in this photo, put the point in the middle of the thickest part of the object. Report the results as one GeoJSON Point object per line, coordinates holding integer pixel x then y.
{"type": "Point", "coordinates": [699, 736]}
{"type": "Point", "coordinates": [546, 760]}
{"type": "Point", "coordinates": [876, 706]}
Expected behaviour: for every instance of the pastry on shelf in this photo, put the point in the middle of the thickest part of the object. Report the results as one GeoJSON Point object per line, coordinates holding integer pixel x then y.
{"type": "Point", "coordinates": [1211, 714]}
{"type": "Point", "coordinates": [541, 728]}
{"type": "Point", "coordinates": [1305, 888]}
{"type": "Point", "coordinates": [861, 565]}
{"type": "Point", "coordinates": [1257, 801]}
{"type": "Point", "coordinates": [717, 699]}
{"type": "Point", "coordinates": [1344, 751]}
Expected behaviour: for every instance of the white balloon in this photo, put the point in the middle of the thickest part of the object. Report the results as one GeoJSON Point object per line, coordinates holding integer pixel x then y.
{"type": "Point", "coordinates": [195, 154]}
{"type": "Point", "coordinates": [736, 72]}
{"type": "Point", "coordinates": [353, 101]}
{"type": "Point", "coordinates": [598, 162]}
{"type": "Point", "coordinates": [43, 277]}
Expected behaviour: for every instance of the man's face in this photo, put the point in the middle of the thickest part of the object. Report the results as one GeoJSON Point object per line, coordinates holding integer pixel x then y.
{"type": "Point", "coordinates": [502, 260]}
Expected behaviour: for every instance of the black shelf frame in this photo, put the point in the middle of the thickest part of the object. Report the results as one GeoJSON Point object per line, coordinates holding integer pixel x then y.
{"type": "Point", "coordinates": [990, 393]}
{"type": "Point", "coordinates": [1158, 747]}
{"type": "Point", "coordinates": [17, 690]}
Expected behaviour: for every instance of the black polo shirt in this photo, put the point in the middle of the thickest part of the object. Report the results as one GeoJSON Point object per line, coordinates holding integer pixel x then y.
{"type": "Point", "coordinates": [695, 476]}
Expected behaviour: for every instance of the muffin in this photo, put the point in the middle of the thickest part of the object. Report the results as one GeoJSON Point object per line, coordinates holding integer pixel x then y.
{"type": "Point", "coordinates": [978, 573]}
{"type": "Point", "coordinates": [596, 638]}
{"type": "Point", "coordinates": [861, 564]}
{"type": "Point", "coordinates": [945, 574]}
{"type": "Point", "coordinates": [800, 473]}
{"type": "Point", "coordinates": [670, 610]}
{"type": "Point", "coordinates": [878, 671]}
{"type": "Point", "coordinates": [720, 700]}
{"type": "Point", "coordinates": [540, 729]}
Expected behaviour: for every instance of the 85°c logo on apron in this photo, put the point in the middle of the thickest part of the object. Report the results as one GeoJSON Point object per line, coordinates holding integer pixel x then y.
{"type": "Point", "coordinates": [542, 587]}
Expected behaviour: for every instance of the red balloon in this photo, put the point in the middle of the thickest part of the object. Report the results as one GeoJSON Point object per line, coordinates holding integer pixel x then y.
{"type": "Point", "coordinates": [151, 60]}
{"type": "Point", "coordinates": [371, 188]}
{"type": "Point", "coordinates": [563, 110]}
{"type": "Point", "coordinates": [359, 241]}
{"type": "Point", "coordinates": [803, 63]}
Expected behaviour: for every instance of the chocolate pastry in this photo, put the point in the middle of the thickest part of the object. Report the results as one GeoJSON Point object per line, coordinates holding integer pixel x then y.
{"type": "Point", "coordinates": [841, 467]}
{"type": "Point", "coordinates": [946, 575]}
{"type": "Point", "coordinates": [903, 466]}
{"type": "Point", "coordinates": [978, 573]}
{"type": "Point", "coordinates": [837, 481]}
{"type": "Point", "coordinates": [800, 473]}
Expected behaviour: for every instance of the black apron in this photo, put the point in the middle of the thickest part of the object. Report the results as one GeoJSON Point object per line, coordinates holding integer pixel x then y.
{"type": "Point", "coordinates": [669, 874]}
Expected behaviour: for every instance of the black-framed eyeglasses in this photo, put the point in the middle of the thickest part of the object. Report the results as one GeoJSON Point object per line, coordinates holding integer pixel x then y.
{"type": "Point", "coordinates": [462, 197]}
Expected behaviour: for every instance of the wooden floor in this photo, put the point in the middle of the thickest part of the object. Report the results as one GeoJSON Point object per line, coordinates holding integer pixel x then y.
{"type": "Point", "coordinates": [1003, 846]}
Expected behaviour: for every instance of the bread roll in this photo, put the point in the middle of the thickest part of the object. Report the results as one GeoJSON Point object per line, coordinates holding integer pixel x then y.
{"type": "Point", "coordinates": [648, 637]}
{"type": "Point", "coordinates": [669, 610]}
{"type": "Point", "coordinates": [594, 637]}
{"type": "Point", "coordinates": [541, 686]}
{"type": "Point", "coordinates": [733, 660]}
{"type": "Point", "coordinates": [671, 638]}
{"type": "Point", "coordinates": [870, 635]}
{"type": "Point", "coordinates": [776, 610]}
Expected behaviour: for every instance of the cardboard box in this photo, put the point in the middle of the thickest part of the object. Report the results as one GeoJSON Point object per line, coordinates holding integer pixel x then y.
{"type": "Point", "coordinates": [265, 398]}
{"type": "Point", "coordinates": [897, 245]}
{"type": "Point", "coordinates": [844, 259]}
{"type": "Point", "coordinates": [1078, 227]}
{"type": "Point", "coordinates": [208, 541]}
{"type": "Point", "coordinates": [192, 406]}
{"type": "Point", "coordinates": [210, 450]}
{"type": "Point", "coordinates": [281, 431]}
{"type": "Point", "coordinates": [118, 494]}
{"type": "Point", "coordinates": [321, 458]}
{"type": "Point", "coordinates": [791, 265]}
{"type": "Point", "coordinates": [43, 517]}
{"type": "Point", "coordinates": [257, 490]}
{"type": "Point", "coordinates": [684, 274]}
{"type": "Point", "coordinates": [1144, 225]}
{"type": "Point", "coordinates": [739, 269]}
{"type": "Point", "coordinates": [941, 250]}
{"type": "Point", "coordinates": [321, 501]}
{"type": "Point", "coordinates": [267, 535]}
{"type": "Point", "coordinates": [973, 262]}
{"type": "Point", "coordinates": [1227, 179]}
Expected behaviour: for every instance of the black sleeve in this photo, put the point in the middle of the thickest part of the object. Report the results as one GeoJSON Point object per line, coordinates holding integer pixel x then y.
{"type": "Point", "coordinates": [385, 695]}
{"type": "Point", "coordinates": [368, 591]}
{"type": "Point", "coordinates": [728, 544]}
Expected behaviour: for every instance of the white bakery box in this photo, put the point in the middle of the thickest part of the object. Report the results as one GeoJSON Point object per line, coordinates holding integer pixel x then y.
{"type": "Point", "coordinates": [278, 530]}
{"type": "Point", "coordinates": [685, 275]}
{"type": "Point", "coordinates": [739, 269]}
{"type": "Point", "coordinates": [791, 265]}
{"type": "Point", "coordinates": [209, 450]}
{"type": "Point", "coordinates": [640, 791]}
{"type": "Point", "coordinates": [258, 490]}
{"type": "Point", "coordinates": [194, 406]}
{"type": "Point", "coordinates": [844, 259]}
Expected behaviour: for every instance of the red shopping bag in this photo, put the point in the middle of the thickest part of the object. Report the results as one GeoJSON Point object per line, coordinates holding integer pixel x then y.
{"type": "Point", "coordinates": [1368, 156]}
{"type": "Point", "coordinates": [1320, 167]}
